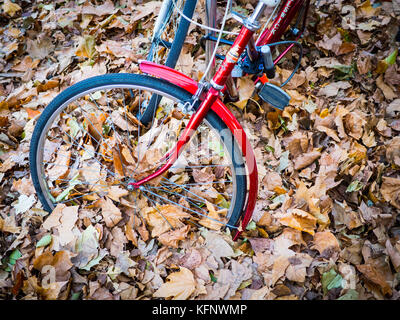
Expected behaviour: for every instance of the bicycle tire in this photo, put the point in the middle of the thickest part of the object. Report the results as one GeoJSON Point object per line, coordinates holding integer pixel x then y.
{"type": "Point", "coordinates": [162, 87]}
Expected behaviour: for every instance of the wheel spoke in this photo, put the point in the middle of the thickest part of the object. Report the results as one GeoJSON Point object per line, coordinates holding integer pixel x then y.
{"type": "Point", "coordinates": [80, 146]}
{"type": "Point", "coordinates": [79, 197]}
{"type": "Point", "coordinates": [188, 209]}
{"type": "Point", "coordinates": [178, 186]}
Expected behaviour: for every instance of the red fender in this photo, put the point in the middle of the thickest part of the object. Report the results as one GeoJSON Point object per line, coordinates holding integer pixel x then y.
{"type": "Point", "coordinates": [223, 112]}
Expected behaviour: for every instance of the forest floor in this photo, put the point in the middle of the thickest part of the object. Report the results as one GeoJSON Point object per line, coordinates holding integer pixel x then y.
{"type": "Point", "coordinates": [326, 224]}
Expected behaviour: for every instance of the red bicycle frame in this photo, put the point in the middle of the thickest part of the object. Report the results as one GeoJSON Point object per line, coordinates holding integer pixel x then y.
{"type": "Point", "coordinates": [212, 101]}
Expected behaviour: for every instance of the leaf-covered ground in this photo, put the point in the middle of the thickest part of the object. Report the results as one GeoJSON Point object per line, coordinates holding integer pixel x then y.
{"type": "Point", "coordinates": [326, 225]}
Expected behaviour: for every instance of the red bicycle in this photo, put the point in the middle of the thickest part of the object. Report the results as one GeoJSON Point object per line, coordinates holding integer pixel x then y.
{"type": "Point", "coordinates": [192, 164]}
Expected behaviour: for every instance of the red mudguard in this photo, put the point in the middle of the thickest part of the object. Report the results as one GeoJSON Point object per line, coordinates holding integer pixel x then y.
{"type": "Point", "coordinates": [223, 112]}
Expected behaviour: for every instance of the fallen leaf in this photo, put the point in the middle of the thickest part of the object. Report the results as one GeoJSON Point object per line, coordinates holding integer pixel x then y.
{"type": "Point", "coordinates": [86, 47]}
{"type": "Point", "coordinates": [111, 214]}
{"type": "Point", "coordinates": [214, 220]}
{"type": "Point", "coordinates": [306, 159]}
{"type": "Point", "coordinates": [88, 253]}
{"type": "Point", "coordinates": [10, 7]}
{"type": "Point", "coordinates": [393, 151]}
{"type": "Point", "coordinates": [24, 203]}
{"type": "Point", "coordinates": [390, 191]}
{"type": "Point", "coordinates": [60, 261]}
{"type": "Point", "coordinates": [60, 167]}
{"type": "Point", "coordinates": [179, 285]}
{"type": "Point", "coordinates": [372, 274]}
{"type": "Point", "coordinates": [386, 89]}
{"type": "Point", "coordinates": [172, 238]}
{"type": "Point", "coordinates": [333, 88]}
{"type": "Point", "coordinates": [63, 218]}
{"type": "Point", "coordinates": [300, 220]}
{"type": "Point", "coordinates": [326, 243]}
{"type": "Point", "coordinates": [162, 218]}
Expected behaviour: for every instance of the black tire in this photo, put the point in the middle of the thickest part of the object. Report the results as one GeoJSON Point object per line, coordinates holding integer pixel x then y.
{"type": "Point", "coordinates": [151, 83]}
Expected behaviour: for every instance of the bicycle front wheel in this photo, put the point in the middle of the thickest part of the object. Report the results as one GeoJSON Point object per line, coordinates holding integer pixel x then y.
{"type": "Point", "coordinates": [88, 146]}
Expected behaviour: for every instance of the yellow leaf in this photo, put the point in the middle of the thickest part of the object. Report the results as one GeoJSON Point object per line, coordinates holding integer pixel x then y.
{"type": "Point", "coordinates": [279, 190]}
{"type": "Point", "coordinates": [86, 47]}
{"type": "Point", "coordinates": [246, 88]}
{"type": "Point", "coordinates": [213, 220]}
{"type": "Point", "coordinates": [179, 285]}
{"type": "Point", "coordinates": [367, 11]}
{"type": "Point", "coordinates": [300, 220]}
{"type": "Point", "coordinates": [324, 113]}
{"type": "Point", "coordinates": [10, 7]}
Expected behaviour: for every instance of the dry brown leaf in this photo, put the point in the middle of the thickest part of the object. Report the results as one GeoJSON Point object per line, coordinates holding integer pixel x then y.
{"type": "Point", "coordinates": [24, 186]}
{"type": "Point", "coordinates": [329, 132]}
{"type": "Point", "coordinates": [203, 175]}
{"type": "Point", "coordinates": [115, 193]}
{"type": "Point", "coordinates": [127, 155]}
{"type": "Point", "coordinates": [390, 190]}
{"type": "Point", "coordinates": [279, 268]}
{"type": "Point", "coordinates": [61, 261]}
{"type": "Point", "coordinates": [117, 161]}
{"type": "Point", "coordinates": [332, 89]}
{"type": "Point", "coordinates": [111, 214]}
{"type": "Point", "coordinates": [63, 218]}
{"type": "Point", "coordinates": [9, 225]}
{"type": "Point", "coordinates": [297, 269]}
{"type": "Point", "coordinates": [246, 88]}
{"type": "Point", "coordinates": [86, 47]}
{"type": "Point", "coordinates": [393, 151]}
{"type": "Point", "coordinates": [272, 180]}
{"type": "Point", "coordinates": [306, 159]}
{"type": "Point", "coordinates": [179, 285]}
{"type": "Point", "coordinates": [394, 254]}
{"type": "Point", "coordinates": [116, 242]}
{"type": "Point", "coordinates": [312, 198]}
{"type": "Point", "coordinates": [331, 44]}
{"type": "Point", "coordinates": [185, 62]}
{"type": "Point", "coordinates": [172, 238]}
{"type": "Point", "coordinates": [326, 243]}
{"type": "Point", "coordinates": [386, 89]}
{"type": "Point", "coordinates": [366, 10]}
{"type": "Point", "coordinates": [60, 167]}
{"type": "Point", "coordinates": [161, 219]}
{"type": "Point", "coordinates": [372, 274]}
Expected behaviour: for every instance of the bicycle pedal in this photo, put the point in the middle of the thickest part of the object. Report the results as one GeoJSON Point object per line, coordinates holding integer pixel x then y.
{"type": "Point", "coordinates": [274, 95]}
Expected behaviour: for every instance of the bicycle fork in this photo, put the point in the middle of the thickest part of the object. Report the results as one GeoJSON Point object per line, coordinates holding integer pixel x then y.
{"type": "Point", "coordinates": [218, 82]}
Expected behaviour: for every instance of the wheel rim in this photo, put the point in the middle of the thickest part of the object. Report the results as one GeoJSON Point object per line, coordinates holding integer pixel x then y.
{"type": "Point", "coordinates": [167, 187]}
